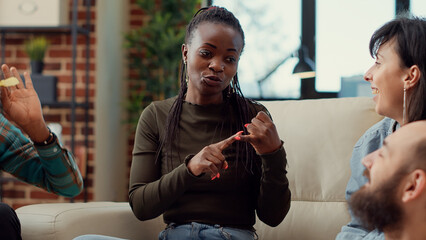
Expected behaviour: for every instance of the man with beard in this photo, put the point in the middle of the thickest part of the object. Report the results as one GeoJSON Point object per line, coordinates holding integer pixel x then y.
{"type": "Point", "coordinates": [394, 199]}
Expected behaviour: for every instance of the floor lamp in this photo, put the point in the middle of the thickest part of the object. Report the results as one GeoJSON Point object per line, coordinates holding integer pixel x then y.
{"type": "Point", "coordinates": [304, 69]}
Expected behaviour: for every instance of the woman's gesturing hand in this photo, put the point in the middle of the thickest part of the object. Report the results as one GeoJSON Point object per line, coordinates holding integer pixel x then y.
{"type": "Point", "coordinates": [210, 158]}
{"type": "Point", "coordinates": [263, 135]}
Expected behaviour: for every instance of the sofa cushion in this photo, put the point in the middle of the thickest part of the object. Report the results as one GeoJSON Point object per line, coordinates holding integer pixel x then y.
{"type": "Point", "coordinates": [318, 136]}
{"type": "Point", "coordinates": [60, 221]}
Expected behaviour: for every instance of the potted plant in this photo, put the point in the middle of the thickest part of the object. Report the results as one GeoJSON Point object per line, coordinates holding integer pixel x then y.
{"type": "Point", "coordinates": [35, 49]}
{"type": "Point", "coordinates": [155, 52]}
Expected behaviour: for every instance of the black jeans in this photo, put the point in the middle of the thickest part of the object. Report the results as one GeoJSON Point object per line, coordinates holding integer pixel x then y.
{"type": "Point", "coordinates": [10, 227]}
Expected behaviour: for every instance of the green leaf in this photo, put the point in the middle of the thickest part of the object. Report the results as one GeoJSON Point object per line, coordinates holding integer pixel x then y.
{"type": "Point", "coordinates": [36, 48]}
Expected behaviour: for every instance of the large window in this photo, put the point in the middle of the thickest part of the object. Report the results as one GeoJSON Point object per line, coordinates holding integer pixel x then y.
{"type": "Point", "coordinates": [343, 31]}
{"type": "Point", "coordinates": [418, 7]}
{"type": "Point", "coordinates": [272, 33]}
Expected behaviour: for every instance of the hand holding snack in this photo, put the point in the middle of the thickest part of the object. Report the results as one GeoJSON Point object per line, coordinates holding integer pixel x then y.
{"type": "Point", "coordinates": [21, 104]}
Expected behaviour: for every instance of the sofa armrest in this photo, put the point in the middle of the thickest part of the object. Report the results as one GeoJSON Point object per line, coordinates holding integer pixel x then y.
{"type": "Point", "coordinates": [69, 220]}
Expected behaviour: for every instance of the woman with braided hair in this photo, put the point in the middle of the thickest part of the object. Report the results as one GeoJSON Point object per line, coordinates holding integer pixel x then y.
{"type": "Point", "coordinates": [208, 159]}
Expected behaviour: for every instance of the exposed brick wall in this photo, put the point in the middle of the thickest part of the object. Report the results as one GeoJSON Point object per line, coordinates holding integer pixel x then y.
{"type": "Point", "coordinates": [58, 63]}
{"type": "Point", "coordinates": [135, 21]}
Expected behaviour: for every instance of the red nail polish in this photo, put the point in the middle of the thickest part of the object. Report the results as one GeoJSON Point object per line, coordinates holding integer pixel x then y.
{"type": "Point", "coordinates": [237, 138]}
{"type": "Point", "coordinates": [214, 177]}
{"type": "Point", "coordinates": [246, 125]}
{"type": "Point", "coordinates": [226, 165]}
{"type": "Point", "coordinates": [218, 175]}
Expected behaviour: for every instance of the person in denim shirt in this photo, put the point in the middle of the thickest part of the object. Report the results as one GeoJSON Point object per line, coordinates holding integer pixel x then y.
{"type": "Point", "coordinates": [369, 142]}
{"type": "Point", "coordinates": [398, 81]}
{"type": "Point", "coordinates": [393, 199]}
{"type": "Point", "coordinates": [42, 162]}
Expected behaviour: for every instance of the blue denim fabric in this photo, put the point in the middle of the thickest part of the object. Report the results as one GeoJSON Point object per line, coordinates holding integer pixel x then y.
{"type": "Point", "coordinates": [197, 231]}
{"type": "Point", "coordinates": [369, 142]}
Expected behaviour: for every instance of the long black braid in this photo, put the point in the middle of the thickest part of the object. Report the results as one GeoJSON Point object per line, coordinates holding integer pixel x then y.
{"type": "Point", "coordinates": [232, 94]}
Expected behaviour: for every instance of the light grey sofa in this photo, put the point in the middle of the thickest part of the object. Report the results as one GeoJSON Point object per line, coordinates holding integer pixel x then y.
{"type": "Point", "coordinates": [319, 136]}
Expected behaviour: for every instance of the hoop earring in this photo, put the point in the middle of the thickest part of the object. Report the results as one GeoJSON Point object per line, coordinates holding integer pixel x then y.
{"type": "Point", "coordinates": [404, 107]}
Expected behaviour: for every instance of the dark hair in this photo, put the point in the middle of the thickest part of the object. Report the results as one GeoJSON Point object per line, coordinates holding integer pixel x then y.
{"type": "Point", "coordinates": [232, 95]}
{"type": "Point", "coordinates": [213, 14]}
{"type": "Point", "coordinates": [410, 35]}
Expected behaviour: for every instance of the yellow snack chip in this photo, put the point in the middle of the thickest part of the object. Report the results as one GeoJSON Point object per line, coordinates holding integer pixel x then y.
{"type": "Point", "coordinates": [8, 82]}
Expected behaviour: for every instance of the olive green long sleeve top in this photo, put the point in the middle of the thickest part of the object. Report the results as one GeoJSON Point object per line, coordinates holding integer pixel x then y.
{"type": "Point", "coordinates": [167, 186]}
